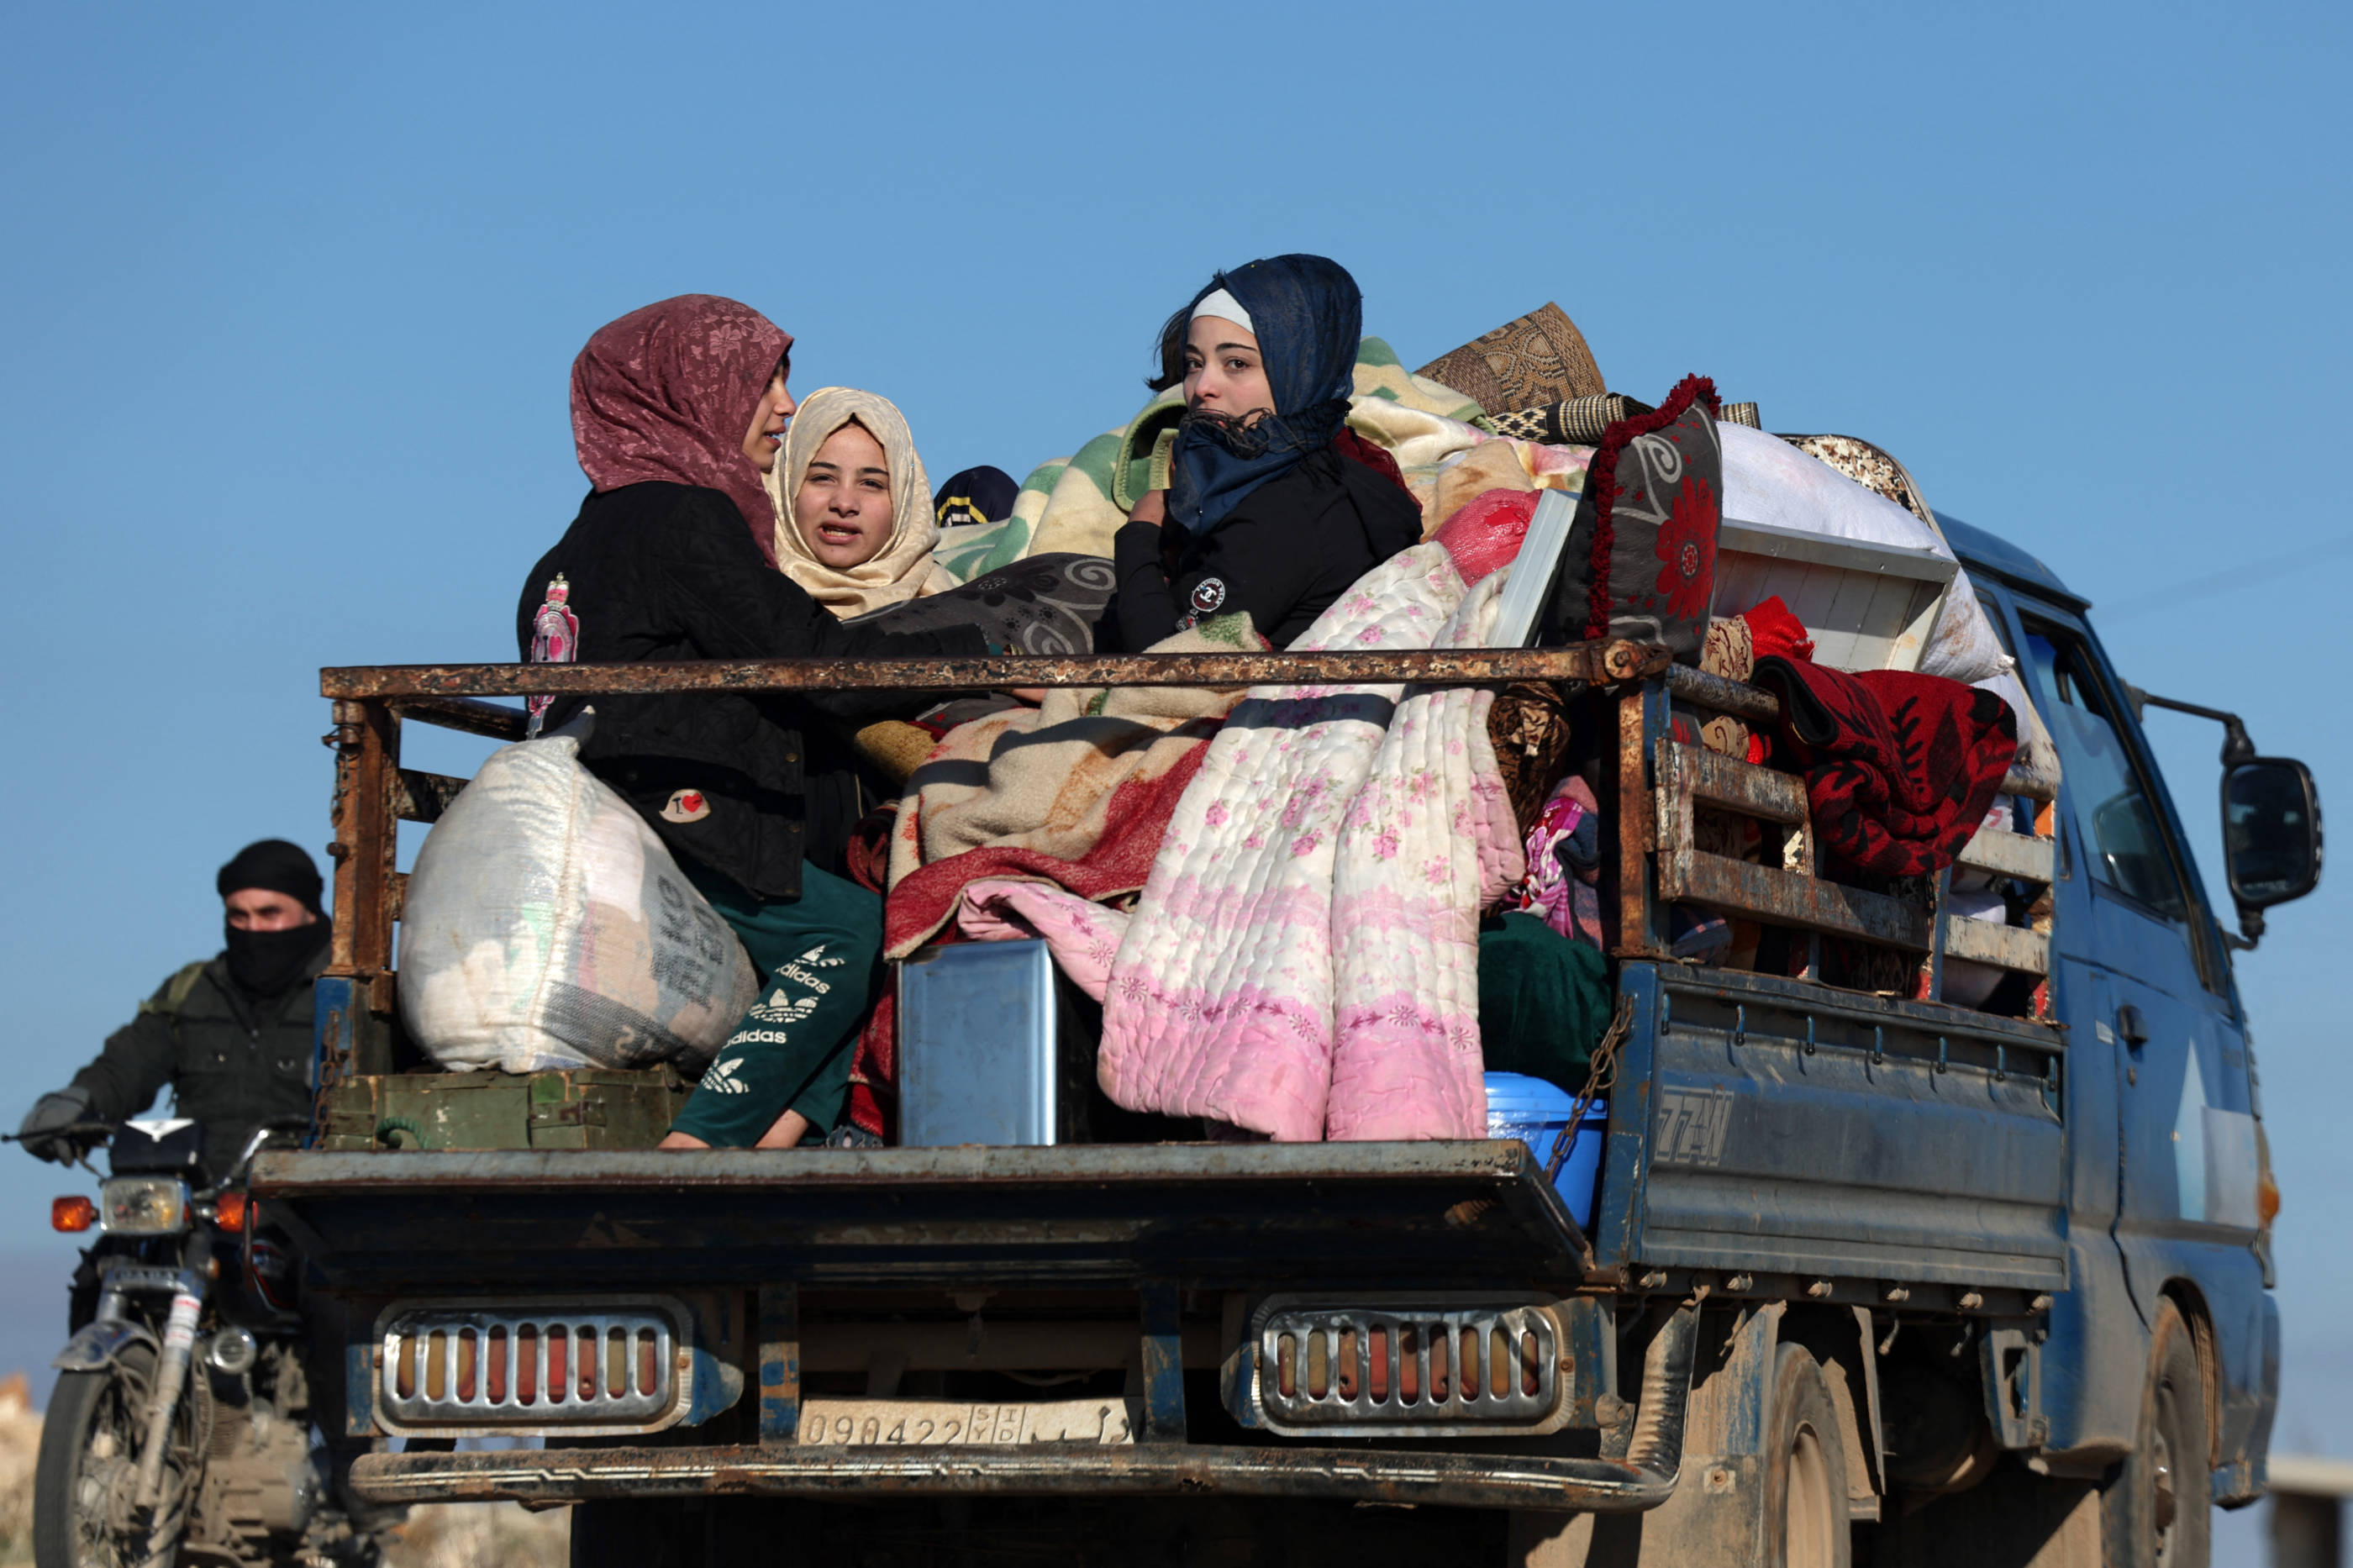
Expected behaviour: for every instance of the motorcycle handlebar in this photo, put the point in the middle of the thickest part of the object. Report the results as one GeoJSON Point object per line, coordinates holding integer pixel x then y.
{"type": "Point", "coordinates": [96, 1129]}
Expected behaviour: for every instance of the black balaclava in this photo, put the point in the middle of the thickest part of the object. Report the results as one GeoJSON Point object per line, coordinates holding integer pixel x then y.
{"type": "Point", "coordinates": [266, 964]}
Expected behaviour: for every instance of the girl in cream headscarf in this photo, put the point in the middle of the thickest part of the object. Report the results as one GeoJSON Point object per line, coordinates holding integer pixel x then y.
{"type": "Point", "coordinates": [855, 529]}
{"type": "Point", "coordinates": [853, 506]}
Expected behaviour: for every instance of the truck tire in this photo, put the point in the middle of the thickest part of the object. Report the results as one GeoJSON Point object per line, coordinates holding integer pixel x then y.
{"type": "Point", "coordinates": [2158, 1510]}
{"type": "Point", "coordinates": [1806, 1523]}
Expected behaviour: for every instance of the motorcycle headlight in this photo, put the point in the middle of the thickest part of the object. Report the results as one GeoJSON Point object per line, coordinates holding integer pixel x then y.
{"type": "Point", "coordinates": [143, 1205]}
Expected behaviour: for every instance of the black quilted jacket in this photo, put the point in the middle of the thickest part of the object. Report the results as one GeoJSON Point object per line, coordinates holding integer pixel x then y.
{"type": "Point", "coordinates": [747, 786]}
{"type": "Point", "coordinates": [1286, 553]}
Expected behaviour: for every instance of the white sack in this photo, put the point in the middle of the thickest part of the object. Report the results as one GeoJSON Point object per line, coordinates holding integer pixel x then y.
{"type": "Point", "coordinates": [546, 927]}
{"type": "Point", "coordinates": [1768, 481]}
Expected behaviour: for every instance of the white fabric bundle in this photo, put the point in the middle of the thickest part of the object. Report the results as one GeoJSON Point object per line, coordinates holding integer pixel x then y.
{"type": "Point", "coordinates": [1969, 985]}
{"type": "Point", "coordinates": [1768, 481]}
{"type": "Point", "coordinates": [546, 927]}
{"type": "Point", "coordinates": [2036, 754]}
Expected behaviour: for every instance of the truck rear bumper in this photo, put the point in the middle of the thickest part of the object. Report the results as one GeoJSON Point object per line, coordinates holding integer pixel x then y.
{"type": "Point", "coordinates": [1642, 1478]}
{"type": "Point", "coordinates": [578, 1475]}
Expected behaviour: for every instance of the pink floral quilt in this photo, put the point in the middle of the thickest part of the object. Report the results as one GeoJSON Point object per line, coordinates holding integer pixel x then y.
{"type": "Point", "coordinates": [1335, 838]}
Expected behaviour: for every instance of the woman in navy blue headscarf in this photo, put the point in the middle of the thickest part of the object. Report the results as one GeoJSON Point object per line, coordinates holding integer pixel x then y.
{"type": "Point", "coordinates": [1271, 507]}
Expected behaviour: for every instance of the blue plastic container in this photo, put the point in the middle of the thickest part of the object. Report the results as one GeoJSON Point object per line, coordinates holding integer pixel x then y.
{"type": "Point", "coordinates": [1536, 1114]}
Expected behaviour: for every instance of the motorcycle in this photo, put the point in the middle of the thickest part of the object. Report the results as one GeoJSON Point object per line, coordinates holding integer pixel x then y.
{"type": "Point", "coordinates": [180, 1429]}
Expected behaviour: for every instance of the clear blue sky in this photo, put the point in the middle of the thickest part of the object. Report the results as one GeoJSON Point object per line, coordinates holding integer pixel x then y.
{"type": "Point", "coordinates": [288, 295]}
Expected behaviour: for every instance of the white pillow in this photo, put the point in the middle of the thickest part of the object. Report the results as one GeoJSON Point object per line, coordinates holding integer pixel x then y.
{"type": "Point", "coordinates": [1768, 481]}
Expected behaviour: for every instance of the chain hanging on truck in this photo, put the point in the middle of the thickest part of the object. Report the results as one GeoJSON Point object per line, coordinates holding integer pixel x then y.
{"type": "Point", "coordinates": [1600, 1078]}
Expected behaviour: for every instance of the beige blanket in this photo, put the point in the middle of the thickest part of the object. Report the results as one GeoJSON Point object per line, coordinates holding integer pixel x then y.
{"type": "Point", "coordinates": [1076, 790]}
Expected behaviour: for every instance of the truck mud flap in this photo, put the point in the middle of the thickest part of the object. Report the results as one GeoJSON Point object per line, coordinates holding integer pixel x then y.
{"type": "Point", "coordinates": [1642, 1478]}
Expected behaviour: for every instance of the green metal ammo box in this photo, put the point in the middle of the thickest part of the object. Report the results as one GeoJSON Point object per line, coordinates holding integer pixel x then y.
{"type": "Point", "coordinates": [586, 1108]}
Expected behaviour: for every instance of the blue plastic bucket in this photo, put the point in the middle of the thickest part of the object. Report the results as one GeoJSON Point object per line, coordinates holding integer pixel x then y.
{"type": "Point", "coordinates": [1536, 1114]}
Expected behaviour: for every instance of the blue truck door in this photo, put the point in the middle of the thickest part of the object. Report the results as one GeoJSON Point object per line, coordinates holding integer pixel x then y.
{"type": "Point", "coordinates": [2159, 1006]}
{"type": "Point", "coordinates": [2095, 1363]}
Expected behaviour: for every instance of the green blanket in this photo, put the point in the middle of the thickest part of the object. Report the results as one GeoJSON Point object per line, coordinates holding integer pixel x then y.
{"type": "Point", "coordinates": [1545, 1002]}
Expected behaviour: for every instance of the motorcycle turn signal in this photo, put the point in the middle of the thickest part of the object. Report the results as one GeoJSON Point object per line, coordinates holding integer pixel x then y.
{"type": "Point", "coordinates": [72, 1214]}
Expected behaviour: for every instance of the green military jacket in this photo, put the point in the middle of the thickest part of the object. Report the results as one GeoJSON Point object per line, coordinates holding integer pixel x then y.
{"type": "Point", "coordinates": [232, 1064]}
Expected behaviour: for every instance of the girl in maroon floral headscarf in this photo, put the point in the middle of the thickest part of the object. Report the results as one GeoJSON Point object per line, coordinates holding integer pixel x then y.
{"type": "Point", "coordinates": [676, 409]}
{"type": "Point", "coordinates": [686, 390]}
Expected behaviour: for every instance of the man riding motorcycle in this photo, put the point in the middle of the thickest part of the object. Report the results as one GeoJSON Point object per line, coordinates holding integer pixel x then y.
{"type": "Point", "coordinates": [230, 1034]}
{"type": "Point", "coordinates": [232, 1037]}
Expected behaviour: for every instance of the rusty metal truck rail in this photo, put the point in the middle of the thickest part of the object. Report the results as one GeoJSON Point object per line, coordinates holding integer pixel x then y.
{"type": "Point", "coordinates": [1585, 662]}
{"type": "Point", "coordinates": [374, 794]}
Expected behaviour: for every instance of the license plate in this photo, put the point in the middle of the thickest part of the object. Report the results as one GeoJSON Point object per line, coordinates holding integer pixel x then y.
{"type": "Point", "coordinates": [936, 1423]}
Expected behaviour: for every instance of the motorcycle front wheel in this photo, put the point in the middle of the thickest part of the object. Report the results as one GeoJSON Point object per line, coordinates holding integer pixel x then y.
{"type": "Point", "coordinates": [86, 1481]}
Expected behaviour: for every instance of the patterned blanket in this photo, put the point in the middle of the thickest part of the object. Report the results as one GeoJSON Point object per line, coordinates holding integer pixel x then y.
{"type": "Point", "coordinates": [1083, 936]}
{"type": "Point", "coordinates": [1900, 768]}
{"type": "Point", "coordinates": [1075, 791]}
{"type": "Point", "coordinates": [1334, 839]}
{"type": "Point", "coordinates": [1220, 999]}
{"type": "Point", "coordinates": [1429, 842]}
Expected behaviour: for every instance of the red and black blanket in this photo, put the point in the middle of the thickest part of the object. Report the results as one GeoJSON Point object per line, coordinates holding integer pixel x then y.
{"type": "Point", "coordinates": [1899, 768]}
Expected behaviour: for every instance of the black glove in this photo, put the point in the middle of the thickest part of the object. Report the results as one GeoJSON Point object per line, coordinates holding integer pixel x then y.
{"type": "Point", "coordinates": [42, 1133]}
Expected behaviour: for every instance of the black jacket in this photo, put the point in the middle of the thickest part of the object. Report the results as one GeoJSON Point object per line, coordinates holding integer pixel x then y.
{"type": "Point", "coordinates": [669, 572]}
{"type": "Point", "coordinates": [1286, 553]}
{"type": "Point", "coordinates": [233, 1061]}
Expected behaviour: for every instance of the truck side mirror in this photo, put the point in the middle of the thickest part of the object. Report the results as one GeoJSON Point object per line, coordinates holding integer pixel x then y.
{"type": "Point", "coordinates": [2271, 834]}
{"type": "Point", "coordinates": [2271, 820]}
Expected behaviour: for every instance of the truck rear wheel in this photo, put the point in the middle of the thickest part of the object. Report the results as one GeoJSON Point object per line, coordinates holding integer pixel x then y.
{"type": "Point", "coordinates": [1805, 1521]}
{"type": "Point", "coordinates": [2158, 1511]}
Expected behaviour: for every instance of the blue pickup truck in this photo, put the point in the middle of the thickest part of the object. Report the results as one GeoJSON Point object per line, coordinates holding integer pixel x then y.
{"type": "Point", "coordinates": [1870, 1275]}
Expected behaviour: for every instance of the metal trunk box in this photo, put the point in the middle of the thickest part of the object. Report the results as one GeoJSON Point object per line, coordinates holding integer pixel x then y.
{"type": "Point", "coordinates": [1867, 605]}
{"type": "Point", "coordinates": [586, 1108]}
{"type": "Point", "coordinates": [977, 1057]}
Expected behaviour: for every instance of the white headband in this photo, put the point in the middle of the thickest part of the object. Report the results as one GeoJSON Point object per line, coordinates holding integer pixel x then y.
{"type": "Point", "coordinates": [1226, 308]}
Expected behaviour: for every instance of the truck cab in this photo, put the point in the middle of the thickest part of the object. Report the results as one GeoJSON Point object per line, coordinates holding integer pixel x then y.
{"type": "Point", "coordinates": [2170, 1196]}
{"type": "Point", "coordinates": [1869, 1276]}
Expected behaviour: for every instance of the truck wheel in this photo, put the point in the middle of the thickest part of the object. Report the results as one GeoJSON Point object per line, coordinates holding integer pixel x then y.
{"type": "Point", "coordinates": [1805, 1521]}
{"type": "Point", "coordinates": [2157, 1511]}
{"type": "Point", "coordinates": [87, 1468]}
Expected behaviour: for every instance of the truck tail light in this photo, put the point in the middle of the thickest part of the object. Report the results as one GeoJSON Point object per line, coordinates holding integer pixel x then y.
{"type": "Point", "coordinates": [2267, 1192]}
{"type": "Point", "coordinates": [577, 1366]}
{"type": "Point", "coordinates": [1408, 1368]}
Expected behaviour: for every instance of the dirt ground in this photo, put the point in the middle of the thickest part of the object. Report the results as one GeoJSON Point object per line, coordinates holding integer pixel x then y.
{"type": "Point", "coordinates": [454, 1535]}
{"type": "Point", "coordinates": [20, 1442]}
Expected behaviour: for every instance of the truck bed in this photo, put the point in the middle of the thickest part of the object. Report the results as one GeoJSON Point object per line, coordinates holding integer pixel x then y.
{"type": "Point", "coordinates": [1765, 1127]}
